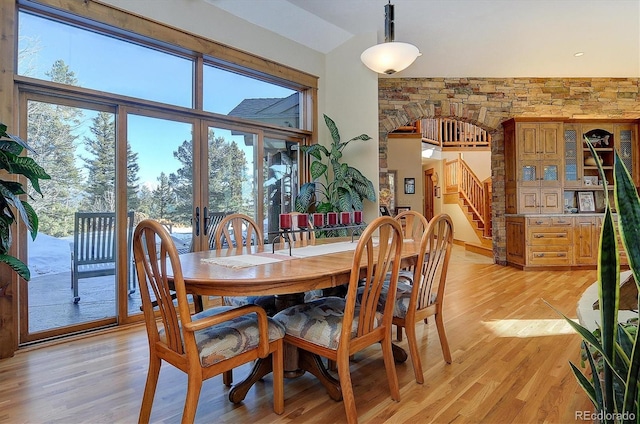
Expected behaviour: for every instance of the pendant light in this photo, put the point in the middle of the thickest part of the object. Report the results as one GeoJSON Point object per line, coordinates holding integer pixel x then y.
{"type": "Point", "coordinates": [391, 56]}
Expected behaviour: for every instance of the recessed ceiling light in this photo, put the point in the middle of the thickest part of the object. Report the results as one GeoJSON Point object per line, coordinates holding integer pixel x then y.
{"type": "Point", "coordinates": [578, 54]}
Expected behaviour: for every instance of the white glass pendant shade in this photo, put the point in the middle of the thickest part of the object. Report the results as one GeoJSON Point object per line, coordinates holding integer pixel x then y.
{"type": "Point", "coordinates": [390, 57]}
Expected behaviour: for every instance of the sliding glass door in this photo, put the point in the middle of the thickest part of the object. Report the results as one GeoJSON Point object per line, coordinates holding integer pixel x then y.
{"type": "Point", "coordinates": [75, 142]}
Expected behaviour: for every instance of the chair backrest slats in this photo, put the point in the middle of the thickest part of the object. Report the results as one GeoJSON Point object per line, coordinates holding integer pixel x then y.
{"type": "Point", "coordinates": [215, 218]}
{"type": "Point", "coordinates": [380, 248]}
{"type": "Point", "coordinates": [431, 274]}
{"type": "Point", "coordinates": [414, 224]}
{"type": "Point", "coordinates": [238, 227]}
{"type": "Point", "coordinates": [154, 252]}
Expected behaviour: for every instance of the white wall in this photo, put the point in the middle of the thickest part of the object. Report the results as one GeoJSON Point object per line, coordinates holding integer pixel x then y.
{"type": "Point", "coordinates": [404, 157]}
{"type": "Point", "coordinates": [347, 90]}
{"type": "Point", "coordinates": [351, 100]}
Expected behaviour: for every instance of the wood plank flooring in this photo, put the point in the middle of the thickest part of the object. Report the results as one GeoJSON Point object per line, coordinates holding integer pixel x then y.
{"type": "Point", "coordinates": [510, 365]}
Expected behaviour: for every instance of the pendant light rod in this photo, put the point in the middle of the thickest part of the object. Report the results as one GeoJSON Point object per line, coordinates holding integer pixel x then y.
{"type": "Point", "coordinates": [389, 33]}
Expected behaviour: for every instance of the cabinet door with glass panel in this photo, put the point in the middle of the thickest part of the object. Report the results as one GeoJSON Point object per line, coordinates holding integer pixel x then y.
{"type": "Point", "coordinates": [626, 137]}
{"type": "Point", "coordinates": [539, 153]}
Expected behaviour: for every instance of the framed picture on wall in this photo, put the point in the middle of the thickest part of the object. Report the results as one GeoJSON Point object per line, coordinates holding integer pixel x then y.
{"type": "Point", "coordinates": [409, 186]}
{"type": "Point", "coordinates": [586, 201]}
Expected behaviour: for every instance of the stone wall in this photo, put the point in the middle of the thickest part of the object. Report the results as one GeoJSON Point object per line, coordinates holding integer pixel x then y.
{"type": "Point", "coordinates": [487, 102]}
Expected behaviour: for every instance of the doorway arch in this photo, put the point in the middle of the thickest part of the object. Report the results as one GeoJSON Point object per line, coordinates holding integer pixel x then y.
{"type": "Point", "coordinates": [390, 120]}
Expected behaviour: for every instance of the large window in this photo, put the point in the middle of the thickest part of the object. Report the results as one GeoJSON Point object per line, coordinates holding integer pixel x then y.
{"type": "Point", "coordinates": [134, 126]}
{"type": "Point", "coordinates": [48, 48]}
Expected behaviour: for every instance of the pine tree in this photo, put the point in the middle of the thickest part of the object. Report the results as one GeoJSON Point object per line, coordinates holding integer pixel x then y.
{"type": "Point", "coordinates": [163, 198]}
{"type": "Point", "coordinates": [50, 132]}
{"type": "Point", "coordinates": [100, 189]}
{"type": "Point", "coordinates": [101, 181]}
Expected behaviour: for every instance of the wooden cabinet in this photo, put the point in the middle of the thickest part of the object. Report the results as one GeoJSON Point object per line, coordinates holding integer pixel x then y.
{"type": "Point", "coordinates": [516, 231]}
{"type": "Point", "coordinates": [549, 241]}
{"type": "Point", "coordinates": [586, 235]}
{"type": "Point", "coordinates": [533, 166]}
{"type": "Point", "coordinates": [547, 164]}
{"type": "Point", "coordinates": [580, 168]}
{"type": "Point", "coordinates": [545, 241]}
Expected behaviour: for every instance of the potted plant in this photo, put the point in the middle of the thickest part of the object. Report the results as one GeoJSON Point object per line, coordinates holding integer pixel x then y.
{"type": "Point", "coordinates": [336, 186]}
{"type": "Point", "coordinates": [11, 148]}
{"type": "Point", "coordinates": [612, 350]}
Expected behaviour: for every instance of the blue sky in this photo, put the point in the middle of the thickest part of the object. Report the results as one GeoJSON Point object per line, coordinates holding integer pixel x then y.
{"type": "Point", "coordinates": [110, 65]}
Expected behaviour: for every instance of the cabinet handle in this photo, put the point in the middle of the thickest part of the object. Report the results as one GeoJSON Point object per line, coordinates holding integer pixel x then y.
{"type": "Point", "coordinates": [560, 235]}
{"type": "Point", "coordinates": [538, 236]}
{"type": "Point", "coordinates": [539, 255]}
{"type": "Point", "coordinates": [562, 255]}
{"type": "Point", "coordinates": [539, 222]}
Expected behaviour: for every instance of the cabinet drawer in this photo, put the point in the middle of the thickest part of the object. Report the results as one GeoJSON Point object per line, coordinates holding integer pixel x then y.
{"type": "Point", "coordinates": [542, 236]}
{"type": "Point", "coordinates": [549, 255]}
{"type": "Point", "coordinates": [550, 221]}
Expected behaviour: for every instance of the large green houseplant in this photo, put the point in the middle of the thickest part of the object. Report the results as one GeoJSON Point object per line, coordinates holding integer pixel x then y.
{"type": "Point", "coordinates": [612, 351]}
{"type": "Point", "coordinates": [336, 186]}
{"type": "Point", "coordinates": [11, 161]}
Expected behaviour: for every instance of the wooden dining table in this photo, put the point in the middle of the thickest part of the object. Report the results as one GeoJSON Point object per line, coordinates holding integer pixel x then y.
{"type": "Point", "coordinates": [287, 274]}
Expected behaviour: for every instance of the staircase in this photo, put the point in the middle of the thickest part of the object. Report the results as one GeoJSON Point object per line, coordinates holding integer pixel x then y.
{"type": "Point", "coordinates": [473, 196]}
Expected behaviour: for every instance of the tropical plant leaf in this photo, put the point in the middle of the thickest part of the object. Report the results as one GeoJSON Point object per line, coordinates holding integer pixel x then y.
{"type": "Point", "coordinates": [317, 169]}
{"type": "Point", "coordinates": [15, 201]}
{"type": "Point", "coordinates": [11, 146]}
{"type": "Point", "coordinates": [586, 335]}
{"type": "Point", "coordinates": [597, 387]}
{"type": "Point", "coordinates": [628, 207]}
{"type": "Point", "coordinates": [315, 150]}
{"type": "Point", "coordinates": [17, 265]}
{"type": "Point", "coordinates": [344, 187]}
{"type": "Point", "coordinates": [32, 219]}
{"type": "Point", "coordinates": [305, 197]}
{"type": "Point", "coordinates": [333, 129]}
{"type": "Point", "coordinates": [344, 199]}
{"type": "Point", "coordinates": [363, 137]}
{"type": "Point", "coordinates": [586, 385]}
{"type": "Point", "coordinates": [29, 168]}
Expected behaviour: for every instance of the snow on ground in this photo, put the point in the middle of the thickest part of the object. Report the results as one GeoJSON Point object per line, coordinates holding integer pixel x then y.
{"type": "Point", "coordinates": [49, 255]}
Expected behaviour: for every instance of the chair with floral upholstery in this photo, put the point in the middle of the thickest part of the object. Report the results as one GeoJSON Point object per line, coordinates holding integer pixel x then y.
{"type": "Point", "coordinates": [336, 328]}
{"type": "Point", "coordinates": [202, 345]}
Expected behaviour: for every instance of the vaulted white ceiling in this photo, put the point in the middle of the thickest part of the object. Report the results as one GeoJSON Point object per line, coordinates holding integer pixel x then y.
{"type": "Point", "coordinates": [465, 38]}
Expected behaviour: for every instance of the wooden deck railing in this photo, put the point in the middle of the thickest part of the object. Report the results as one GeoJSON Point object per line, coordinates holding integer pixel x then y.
{"type": "Point", "coordinates": [461, 179]}
{"type": "Point", "coordinates": [451, 133]}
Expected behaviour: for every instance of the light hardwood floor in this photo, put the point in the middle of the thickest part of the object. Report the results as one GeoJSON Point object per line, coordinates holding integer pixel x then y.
{"type": "Point", "coordinates": [510, 365]}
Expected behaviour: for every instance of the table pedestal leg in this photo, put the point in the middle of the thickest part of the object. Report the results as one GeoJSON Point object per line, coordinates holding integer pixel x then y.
{"type": "Point", "coordinates": [262, 367]}
{"type": "Point", "coordinates": [313, 364]}
{"type": "Point", "coordinates": [399, 355]}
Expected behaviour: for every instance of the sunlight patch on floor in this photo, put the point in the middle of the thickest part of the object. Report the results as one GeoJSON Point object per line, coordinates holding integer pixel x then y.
{"type": "Point", "coordinates": [528, 327]}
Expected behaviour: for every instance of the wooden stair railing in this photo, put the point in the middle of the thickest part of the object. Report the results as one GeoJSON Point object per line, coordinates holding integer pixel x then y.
{"type": "Point", "coordinates": [461, 179]}
{"type": "Point", "coordinates": [453, 134]}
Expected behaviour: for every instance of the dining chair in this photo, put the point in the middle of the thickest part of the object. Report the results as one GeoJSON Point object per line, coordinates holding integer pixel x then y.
{"type": "Point", "coordinates": [336, 328]}
{"type": "Point", "coordinates": [241, 231]}
{"type": "Point", "coordinates": [414, 224]}
{"type": "Point", "coordinates": [202, 345]}
{"type": "Point", "coordinates": [424, 298]}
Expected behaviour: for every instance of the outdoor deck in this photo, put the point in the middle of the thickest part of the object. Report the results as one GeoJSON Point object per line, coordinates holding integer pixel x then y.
{"type": "Point", "coordinates": [51, 301]}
